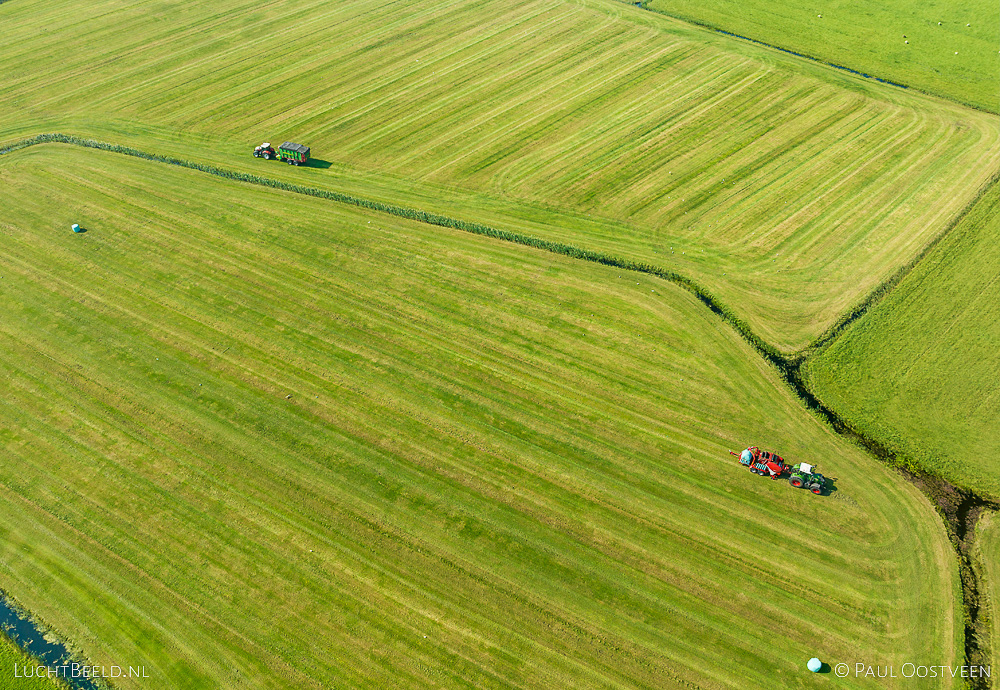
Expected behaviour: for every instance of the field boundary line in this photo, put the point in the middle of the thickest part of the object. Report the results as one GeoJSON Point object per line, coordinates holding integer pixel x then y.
{"type": "Point", "coordinates": [812, 58]}
{"type": "Point", "coordinates": [883, 289]}
{"type": "Point", "coordinates": [959, 508]}
{"type": "Point", "coordinates": [786, 363]}
{"type": "Point", "coordinates": [728, 315]}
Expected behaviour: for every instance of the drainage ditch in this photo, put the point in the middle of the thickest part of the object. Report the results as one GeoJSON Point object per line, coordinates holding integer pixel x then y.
{"type": "Point", "coordinates": [960, 509]}
{"type": "Point", "coordinates": [26, 634]}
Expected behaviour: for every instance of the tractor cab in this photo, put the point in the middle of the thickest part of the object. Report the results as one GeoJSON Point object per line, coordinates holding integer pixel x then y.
{"type": "Point", "coordinates": [804, 476]}
{"type": "Point", "coordinates": [265, 151]}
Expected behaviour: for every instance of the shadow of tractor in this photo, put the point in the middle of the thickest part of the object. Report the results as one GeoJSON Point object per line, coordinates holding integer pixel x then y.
{"type": "Point", "coordinates": [831, 486]}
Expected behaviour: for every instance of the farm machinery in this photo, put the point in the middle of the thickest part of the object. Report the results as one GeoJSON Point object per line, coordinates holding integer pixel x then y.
{"type": "Point", "coordinates": [767, 464]}
{"type": "Point", "coordinates": [291, 153]}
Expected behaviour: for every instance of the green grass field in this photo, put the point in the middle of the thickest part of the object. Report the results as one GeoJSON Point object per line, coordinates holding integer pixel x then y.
{"type": "Point", "coordinates": [788, 188]}
{"type": "Point", "coordinates": [255, 439]}
{"type": "Point", "coordinates": [988, 562]}
{"type": "Point", "coordinates": [12, 673]}
{"type": "Point", "coordinates": [353, 450]}
{"type": "Point", "coordinates": [920, 372]}
{"type": "Point", "coordinates": [951, 49]}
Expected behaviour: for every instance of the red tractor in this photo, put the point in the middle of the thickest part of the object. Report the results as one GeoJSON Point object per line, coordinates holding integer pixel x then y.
{"type": "Point", "coordinates": [772, 465]}
{"type": "Point", "coordinates": [265, 151]}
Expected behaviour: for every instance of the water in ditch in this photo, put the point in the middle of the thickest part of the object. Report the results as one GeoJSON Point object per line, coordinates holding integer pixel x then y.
{"type": "Point", "coordinates": [54, 655]}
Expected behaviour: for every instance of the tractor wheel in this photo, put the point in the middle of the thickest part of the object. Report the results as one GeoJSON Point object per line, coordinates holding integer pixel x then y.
{"type": "Point", "coordinates": [267, 156]}
{"type": "Point", "coordinates": [816, 489]}
{"type": "Point", "coordinates": [256, 154]}
{"type": "Point", "coordinates": [796, 482]}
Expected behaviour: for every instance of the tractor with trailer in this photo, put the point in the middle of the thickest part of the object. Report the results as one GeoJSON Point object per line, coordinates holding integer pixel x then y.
{"type": "Point", "coordinates": [772, 465]}
{"type": "Point", "coordinates": [291, 153]}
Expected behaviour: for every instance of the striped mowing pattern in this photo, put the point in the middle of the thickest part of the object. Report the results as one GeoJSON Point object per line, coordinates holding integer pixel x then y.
{"type": "Point", "coordinates": [919, 371]}
{"type": "Point", "coordinates": [805, 186]}
{"type": "Point", "coordinates": [499, 467]}
{"type": "Point", "coordinates": [950, 50]}
{"type": "Point", "coordinates": [987, 562]}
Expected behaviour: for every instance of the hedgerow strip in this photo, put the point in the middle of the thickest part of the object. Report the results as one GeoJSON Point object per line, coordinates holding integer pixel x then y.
{"type": "Point", "coordinates": [764, 348]}
{"type": "Point", "coordinates": [788, 366]}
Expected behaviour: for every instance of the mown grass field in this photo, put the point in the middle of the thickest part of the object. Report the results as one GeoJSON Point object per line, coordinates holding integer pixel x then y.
{"type": "Point", "coordinates": [952, 48]}
{"type": "Point", "coordinates": [352, 450]}
{"type": "Point", "coordinates": [988, 564]}
{"type": "Point", "coordinates": [920, 372]}
{"type": "Point", "coordinates": [12, 674]}
{"type": "Point", "coordinates": [789, 188]}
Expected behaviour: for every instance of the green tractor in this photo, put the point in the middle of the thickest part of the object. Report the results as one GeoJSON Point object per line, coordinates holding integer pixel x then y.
{"type": "Point", "coordinates": [803, 476]}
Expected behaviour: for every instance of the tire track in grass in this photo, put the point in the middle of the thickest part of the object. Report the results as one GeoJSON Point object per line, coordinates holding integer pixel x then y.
{"type": "Point", "coordinates": [959, 508]}
{"type": "Point", "coordinates": [429, 218]}
{"type": "Point", "coordinates": [882, 290]}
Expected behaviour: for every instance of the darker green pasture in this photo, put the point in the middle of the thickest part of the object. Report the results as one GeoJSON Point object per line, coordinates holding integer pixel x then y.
{"type": "Point", "coordinates": [947, 48]}
{"type": "Point", "coordinates": [921, 371]}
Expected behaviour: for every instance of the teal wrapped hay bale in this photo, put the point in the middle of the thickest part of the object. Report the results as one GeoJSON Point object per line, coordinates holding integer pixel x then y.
{"type": "Point", "coordinates": [77, 228]}
{"type": "Point", "coordinates": [814, 665]}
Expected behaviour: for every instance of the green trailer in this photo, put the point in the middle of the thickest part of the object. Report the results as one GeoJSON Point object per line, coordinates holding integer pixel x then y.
{"type": "Point", "coordinates": [293, 154]}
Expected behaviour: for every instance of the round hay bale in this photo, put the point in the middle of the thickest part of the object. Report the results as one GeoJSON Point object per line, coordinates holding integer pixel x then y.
{"type": "Point", "coordinates": [814, 665]}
